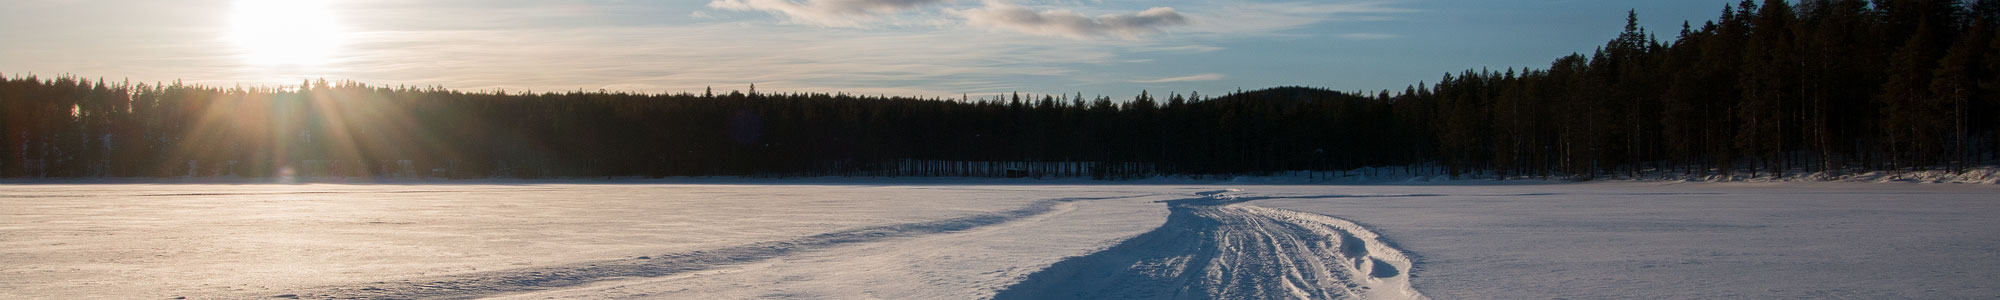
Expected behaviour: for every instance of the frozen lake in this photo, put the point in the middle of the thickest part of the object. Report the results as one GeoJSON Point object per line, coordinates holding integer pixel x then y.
{"type": "Point", "coordinates": [948, 239]}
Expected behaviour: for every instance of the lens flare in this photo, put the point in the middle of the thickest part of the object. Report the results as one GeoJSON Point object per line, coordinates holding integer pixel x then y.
{"type": "Point", "coordinates": [285, 32]}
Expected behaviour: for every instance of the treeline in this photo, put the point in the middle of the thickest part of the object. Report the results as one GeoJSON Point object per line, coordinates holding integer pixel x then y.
{"type": "Point", "coordinates": [67, 127]}
{"type": "Point", "coordinates": [1824, 85]}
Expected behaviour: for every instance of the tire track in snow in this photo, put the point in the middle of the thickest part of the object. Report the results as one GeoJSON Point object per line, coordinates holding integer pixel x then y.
{"type": "Point", "coordinates": [493, 283]}
{"type": "Point", "coordinates": [1211, 248]}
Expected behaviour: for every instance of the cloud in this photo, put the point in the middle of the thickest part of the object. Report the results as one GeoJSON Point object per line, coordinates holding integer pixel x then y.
{"type": "Point", "coordinates": [1368, 36]}
{"type": "Point", "coordinates": [1196, 77]}
{"type": "Point", "coordinates": [591, 47]}
{"type": "Point", "coordinates": [829, 13]}
{"type": "Point", "coordinates": [1059, 22]}
{"type": "Point", "coordinates": [1182, 49]}
{"type": "Point", "coordinates": [1275, 17]}
{"type": "Point", "coordinates": [731, 55]}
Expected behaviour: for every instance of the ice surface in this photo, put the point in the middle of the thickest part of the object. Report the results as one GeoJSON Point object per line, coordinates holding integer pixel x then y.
{"type": "Point", "coordinates": [960, 239]}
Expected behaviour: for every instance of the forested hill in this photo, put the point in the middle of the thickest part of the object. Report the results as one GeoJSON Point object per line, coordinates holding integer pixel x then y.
{"type": "Point", "coordinates": [1292, 95]}
{"type": "Point", "coordinates": [1840, 85]}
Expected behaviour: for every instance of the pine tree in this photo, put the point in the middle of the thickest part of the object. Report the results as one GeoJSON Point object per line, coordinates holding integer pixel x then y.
{"type": "Point", "coordinates": [1906, 98]}
{"type": "Point", "coordinates": [1990, 85]}
{"type": "Point", "coordinates": [1955, 83]}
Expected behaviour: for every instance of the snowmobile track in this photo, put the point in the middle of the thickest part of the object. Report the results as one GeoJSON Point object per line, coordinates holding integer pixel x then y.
{"type": "Point", "coordinates": [1213, 248]}
{"type": "Point", "coordinates": [494, 283]}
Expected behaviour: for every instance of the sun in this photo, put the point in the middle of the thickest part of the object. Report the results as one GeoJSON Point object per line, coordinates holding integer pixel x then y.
{"type": "Point", "coordinates": [284, 32]}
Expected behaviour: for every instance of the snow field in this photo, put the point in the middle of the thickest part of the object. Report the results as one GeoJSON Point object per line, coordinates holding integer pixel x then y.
{"type": "Point", "coordinates": [968, 264]}
{"type": "Point", "coordinates": [944, 239]}
{"type": "Point", "coordinates": [1637, 240]}
{"type": "Point", "coordinates": [208, 241]}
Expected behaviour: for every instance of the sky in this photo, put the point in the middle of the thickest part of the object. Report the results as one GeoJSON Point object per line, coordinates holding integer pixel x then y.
{"type": "Point", "coordinates": [928, 48]}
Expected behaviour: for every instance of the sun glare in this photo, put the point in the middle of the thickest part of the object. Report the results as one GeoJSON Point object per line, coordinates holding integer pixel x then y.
{"type": "Point", "coordinates": [284, 32]}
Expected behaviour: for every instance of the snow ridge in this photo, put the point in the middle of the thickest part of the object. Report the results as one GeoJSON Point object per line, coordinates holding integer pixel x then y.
{"type": "Point", "coordinates": [1213, 248]}
{"type": "Point", "coordinates": [484, 284]}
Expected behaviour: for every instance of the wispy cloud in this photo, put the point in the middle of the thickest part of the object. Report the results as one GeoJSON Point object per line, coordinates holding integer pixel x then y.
{"type": "Point", "coordinates": [1275, 17]}
{"type": "Point", "coordinates": [831, 13]}
{"type": "Point", "coordinates": [1368, 36]}
{"type": "Point", "coordinates": [1183, 49]}
{"type": "Point", "coordinates": [1061, 22]}
{"type": "Point", "coordinates": [689, 57]}
{"type": "Point", "coordinates": [1196, 77]}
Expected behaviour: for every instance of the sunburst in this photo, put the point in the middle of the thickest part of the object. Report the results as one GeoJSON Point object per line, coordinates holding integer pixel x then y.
{"type": "Point", "coordinates": [285, 32]}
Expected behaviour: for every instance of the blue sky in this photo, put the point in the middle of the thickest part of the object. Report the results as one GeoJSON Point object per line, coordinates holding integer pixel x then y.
{"type": "Point", "coordinates": [896, 47]}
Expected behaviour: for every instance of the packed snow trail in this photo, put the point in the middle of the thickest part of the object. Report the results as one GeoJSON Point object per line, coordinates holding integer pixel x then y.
{"type": "Point", "coordinates": [1212, 248]}
{"type": "Point", "coordinates": [485, 284]}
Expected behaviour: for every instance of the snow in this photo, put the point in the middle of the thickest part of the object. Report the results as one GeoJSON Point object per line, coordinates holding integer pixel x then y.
{"type": "Point", "coordinates": [970, 264]}
{"type": "Point", "coordinates": [1211, 247]}
{"type": "Point", "coordinates": [1611, 240]}
{"type": "Point", "coordinates": [1977, 175]}
{"type": "Point", "coordinates": [1393, 238]}
{"type": "Point", "coordinates": [139, 241]}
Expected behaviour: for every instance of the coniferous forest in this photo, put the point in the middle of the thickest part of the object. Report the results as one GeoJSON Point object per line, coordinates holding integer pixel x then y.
{"type": "Point", "coordinates": [1820, 85]}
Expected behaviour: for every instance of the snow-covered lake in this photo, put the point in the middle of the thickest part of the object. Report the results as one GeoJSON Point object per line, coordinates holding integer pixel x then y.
{"type": "Point", "coordinates": [950, 239]}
